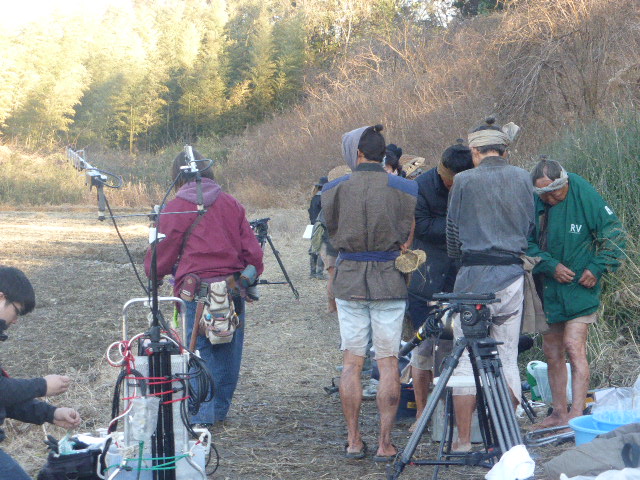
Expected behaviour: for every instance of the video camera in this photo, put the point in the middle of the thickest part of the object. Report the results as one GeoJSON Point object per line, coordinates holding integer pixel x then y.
{"type": "Point", "coordinates": [475, 317]}
{"type": "Point", "coordinates": [260, 229]}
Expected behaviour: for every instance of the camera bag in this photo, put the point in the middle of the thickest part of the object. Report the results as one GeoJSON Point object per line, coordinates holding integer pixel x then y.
{"type": "Point", "coordinates": [81, 465]}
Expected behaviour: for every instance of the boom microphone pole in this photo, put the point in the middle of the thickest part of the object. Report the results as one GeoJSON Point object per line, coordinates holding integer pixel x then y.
{"type": "Point", "coordinates": [193, 170]}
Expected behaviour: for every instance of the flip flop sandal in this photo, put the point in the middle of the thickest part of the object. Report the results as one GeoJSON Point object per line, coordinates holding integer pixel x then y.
{"type": "Point", "coordinates": [355, 455]}
{"type": "Point", "coordinates": [386, 458]}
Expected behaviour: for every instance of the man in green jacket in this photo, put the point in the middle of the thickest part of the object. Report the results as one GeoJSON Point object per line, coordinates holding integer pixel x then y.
{"type": "Point", "coordinates": [578, 238]}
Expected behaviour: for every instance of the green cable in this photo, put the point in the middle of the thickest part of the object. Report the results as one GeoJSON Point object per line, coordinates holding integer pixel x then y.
{"type": "Point", "coordinates": [141, 450]}
{"type": "Point", "coordinates": [170, 465]}
{"type": "Point", "coordinates": [176, 315]}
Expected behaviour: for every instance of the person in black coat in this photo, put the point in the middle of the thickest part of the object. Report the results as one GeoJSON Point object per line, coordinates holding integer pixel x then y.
{"type": "Point", "coordinates": [438, 273]}
{"type": "Point", "coordinates": [18, 396]}
{"type": "Point", "coordinates": [316, 266]}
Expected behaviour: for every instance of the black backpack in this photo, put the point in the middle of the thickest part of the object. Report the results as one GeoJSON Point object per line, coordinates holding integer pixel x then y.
{"type": "Point", "coordinates": [83, 464]}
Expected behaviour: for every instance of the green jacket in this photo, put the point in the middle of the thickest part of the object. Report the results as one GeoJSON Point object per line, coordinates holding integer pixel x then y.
{"type": "Point", "coordinates": [583, 233]}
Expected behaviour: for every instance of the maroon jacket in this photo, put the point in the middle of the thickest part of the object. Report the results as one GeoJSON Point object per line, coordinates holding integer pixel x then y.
{"type": "Point", "coordinates": [221, 244]}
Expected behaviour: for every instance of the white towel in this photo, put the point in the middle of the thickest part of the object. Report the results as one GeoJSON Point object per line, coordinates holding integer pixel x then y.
{"type": "Point", "coordinates": [516, 464]}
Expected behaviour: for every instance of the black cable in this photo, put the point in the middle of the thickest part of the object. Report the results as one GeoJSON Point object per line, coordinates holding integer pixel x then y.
{"type": "Point", "coordinates": [185, 420]}
{"type": "Point", "coordinates": [115, 405]}
{"type": "Point", "coordinates": [124, 244]}
{"type": "Point", "coordinates": [206, 464]}
{"type": "Point", "coordinates": [204, 388]}
{"type": "Point", "coordinates": [155, 240]}
{"type": "Point", "coordinates": [108, 174]}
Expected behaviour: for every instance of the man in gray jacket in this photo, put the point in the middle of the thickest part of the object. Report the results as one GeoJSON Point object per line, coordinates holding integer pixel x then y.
{"type": "Point", "coordinates": [369, 217]}
{"type": "Point", "coordinates": [490, 216]}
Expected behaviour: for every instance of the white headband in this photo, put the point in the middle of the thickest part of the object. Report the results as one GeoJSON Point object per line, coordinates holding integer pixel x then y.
{"type": "Point", "coordinates": [489, 136]}
{"type": "Point", "coordinates": [557, 184]}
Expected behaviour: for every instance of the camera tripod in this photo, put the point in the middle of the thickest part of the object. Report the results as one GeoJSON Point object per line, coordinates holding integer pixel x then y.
{"type": "Point", "coordinates": [498, 424]}
{"type": "Point", "coordinates": [261, 230]}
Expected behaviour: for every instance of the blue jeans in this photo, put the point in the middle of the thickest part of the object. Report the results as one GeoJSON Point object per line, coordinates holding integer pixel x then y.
{"type": "Point", "coordinates": [10, 469]}
{"type": "Point", "coordinates": [223, 362]}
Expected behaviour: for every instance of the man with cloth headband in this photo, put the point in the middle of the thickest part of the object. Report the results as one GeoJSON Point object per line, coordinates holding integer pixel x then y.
{"type": "Point", "coordinates": [369, 217]}
{"type": "Point", "coordinates": [578, 238]}
{"type": "Point", "coordinates": [489, 220]}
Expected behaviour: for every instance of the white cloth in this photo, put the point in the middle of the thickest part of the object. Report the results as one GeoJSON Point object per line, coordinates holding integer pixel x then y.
{"type": "Point", "coordinates": [516, 464]}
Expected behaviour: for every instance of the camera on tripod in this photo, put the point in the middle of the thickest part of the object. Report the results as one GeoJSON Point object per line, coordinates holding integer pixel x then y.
{"type": "Point", "coordinates": [475, 317]}
{"type": "Point", "coordinates": [496, 417]}
{"type": "Point", "coordinates": [260, 229]}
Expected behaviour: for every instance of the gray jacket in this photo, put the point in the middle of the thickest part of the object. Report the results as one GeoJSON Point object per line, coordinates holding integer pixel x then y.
{"type": "Point", "coordinates": [491, 213]}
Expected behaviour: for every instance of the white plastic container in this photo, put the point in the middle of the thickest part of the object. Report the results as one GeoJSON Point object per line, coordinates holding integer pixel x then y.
{"type": "Point", "coordinates": [184, 469]}
{"type": "Point", "coordinates": [539, 371]}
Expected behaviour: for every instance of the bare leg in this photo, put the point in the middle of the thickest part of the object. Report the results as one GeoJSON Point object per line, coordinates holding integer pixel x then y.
{"type": "Point", "coordinates": [387, 398]}
{"type": "Point", "coordinates": [463, 406]}
{"type": "Point", "coordinates": [575, 343]}
{"type": "Point", "coordinates": [422, 380]}
{"type": "Point", "coordinates": [553, 347]}
{"type": "Point", "coordinates": [351, 397]}
{"type": "Point", "coordinates": [331, 298]}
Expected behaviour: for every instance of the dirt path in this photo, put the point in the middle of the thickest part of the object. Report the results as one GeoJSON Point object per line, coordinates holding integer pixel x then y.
{"type": "Point", "coordinates": [282, 424]}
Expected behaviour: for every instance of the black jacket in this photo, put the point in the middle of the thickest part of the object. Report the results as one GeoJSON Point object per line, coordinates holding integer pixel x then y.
{"type": "Point", "coordinates": [438, 273]}
{"type": "Point", "coordinates": [314, 208]}
{"type": "Point", "coordinates": [18, 401]}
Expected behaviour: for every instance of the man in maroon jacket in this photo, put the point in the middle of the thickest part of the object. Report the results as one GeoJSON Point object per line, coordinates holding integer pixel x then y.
{"type": "Point", "coordinates": [212, 246]}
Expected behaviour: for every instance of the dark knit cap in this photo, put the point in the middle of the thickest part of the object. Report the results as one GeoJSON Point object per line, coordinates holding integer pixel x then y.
{"type": "Point", "coordinates": [397, 151]}
{"type": "Point", "coordinates": [372, 143]}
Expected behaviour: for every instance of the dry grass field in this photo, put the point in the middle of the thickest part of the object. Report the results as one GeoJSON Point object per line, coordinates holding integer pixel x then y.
{"type": "Point", "coordinates": [282, 424]}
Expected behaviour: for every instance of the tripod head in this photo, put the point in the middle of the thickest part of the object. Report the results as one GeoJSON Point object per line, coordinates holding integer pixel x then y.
{"type": "Point", "coordinates": [260, 229]}
{"type": "Point", "coordinates": [475, 317]}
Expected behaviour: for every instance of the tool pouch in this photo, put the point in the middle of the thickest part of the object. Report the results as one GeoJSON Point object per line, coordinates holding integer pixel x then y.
{"type": "Point", "coordinates": [189, 287]}
{"type": "Point", "coordinates": [218, 321]}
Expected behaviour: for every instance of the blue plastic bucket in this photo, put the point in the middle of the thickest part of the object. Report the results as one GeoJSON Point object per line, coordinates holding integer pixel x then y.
{"type": "Point", "coordinates": [585, 429]}
{"type": "Point", "coordinates": [610, 420]}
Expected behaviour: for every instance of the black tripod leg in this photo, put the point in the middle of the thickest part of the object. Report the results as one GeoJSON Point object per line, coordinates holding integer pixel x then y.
{"type": "Point", "coordinates": [496, 410]}
{"type": "Point", "coordinates": [488, 392]}
{"type": "Point", "coordinates": [284, 270]}
{"type": "Point", "coordinates": [450, 364]}
{"type": "Point", "coordinates": [505, 393]}
{"type": "Point", "coordinates": [447, 431]}
{"type": "Point", "coordinates": [526, 406]}
{"type": "Point", "coordinates": [487, 430]}
{"type": "Point", "coordinates": [499, 402]}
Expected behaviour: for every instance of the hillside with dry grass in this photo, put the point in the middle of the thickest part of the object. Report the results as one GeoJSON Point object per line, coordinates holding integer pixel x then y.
{"type": "Point", "coordinates": [550, 66]}
{"type": "Point", "coordinates": [547, 65]}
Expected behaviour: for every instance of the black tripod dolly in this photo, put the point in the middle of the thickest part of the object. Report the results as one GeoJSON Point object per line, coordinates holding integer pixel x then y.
{"type": "Point", "coordinates": [496, 416]}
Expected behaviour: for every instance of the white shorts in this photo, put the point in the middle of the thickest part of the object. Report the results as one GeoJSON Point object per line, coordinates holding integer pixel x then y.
{"type": "Point", "coordinates": [377, 320]}
{"type": "Point", "coordinates": [508, 332]}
